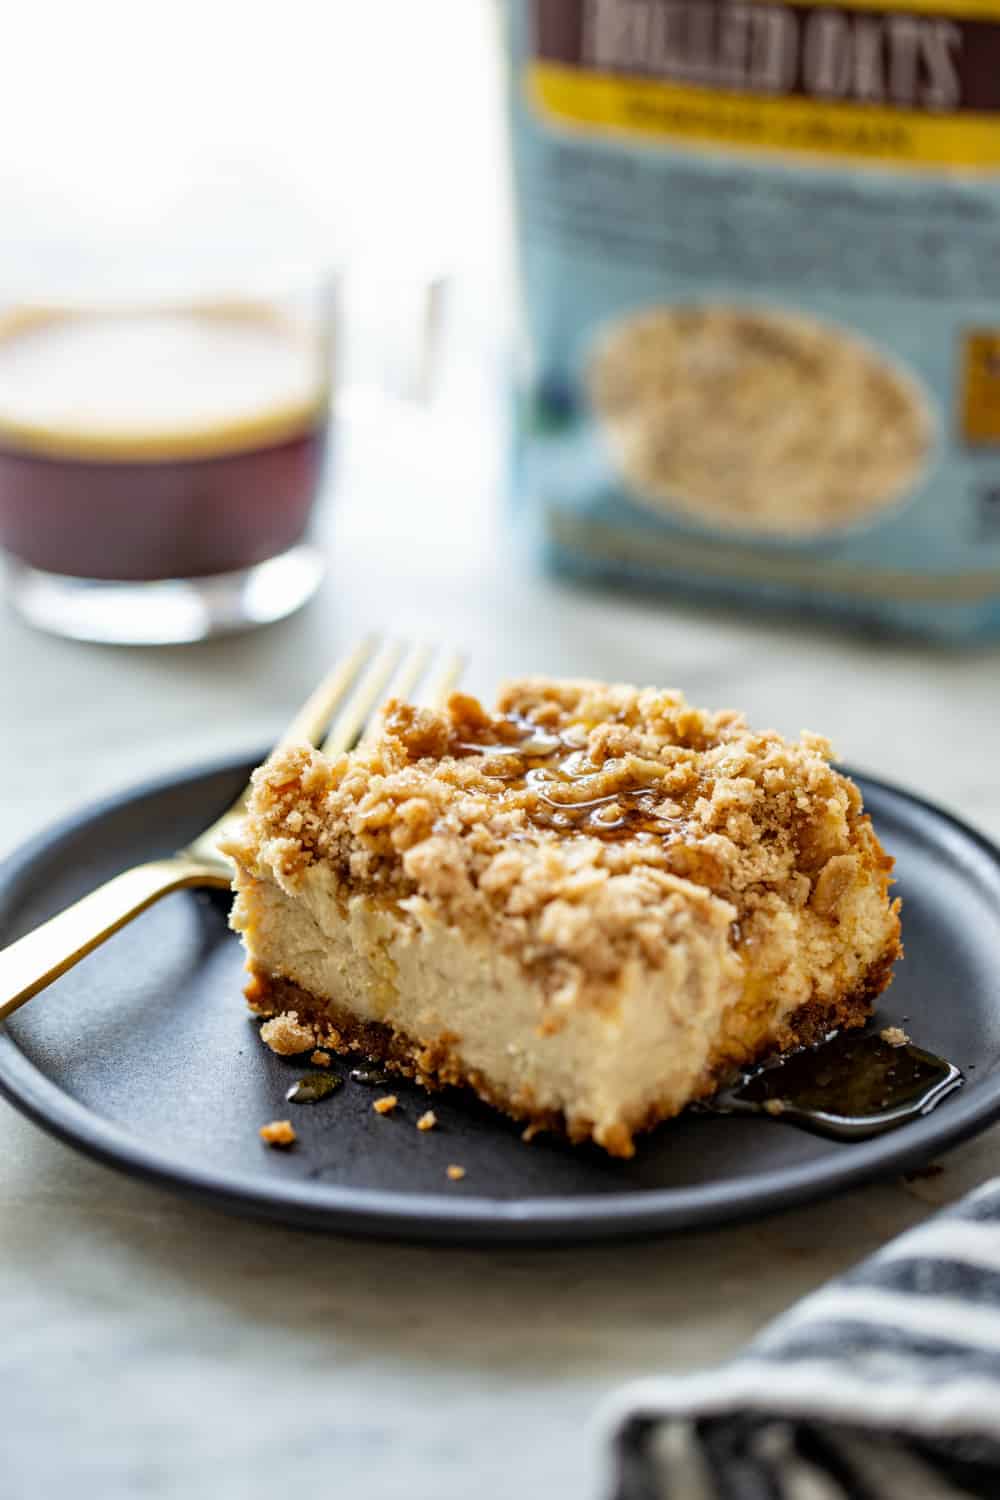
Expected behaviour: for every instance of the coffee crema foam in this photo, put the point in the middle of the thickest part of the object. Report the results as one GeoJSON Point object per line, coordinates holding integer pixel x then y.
{"type": "Point", "coordinates": [148, 385]}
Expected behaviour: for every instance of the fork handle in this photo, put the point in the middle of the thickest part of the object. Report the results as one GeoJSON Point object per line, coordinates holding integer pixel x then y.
{"type": "Point", "coordinates": [39, 957]}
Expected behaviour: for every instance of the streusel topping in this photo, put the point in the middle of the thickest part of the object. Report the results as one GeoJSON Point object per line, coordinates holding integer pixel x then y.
{"type": "Point", "coordinates": [581, 823]}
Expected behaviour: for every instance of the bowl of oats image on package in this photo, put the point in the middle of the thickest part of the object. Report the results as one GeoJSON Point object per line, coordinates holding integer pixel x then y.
{"type": "Point", "coordinates": [745, 419]}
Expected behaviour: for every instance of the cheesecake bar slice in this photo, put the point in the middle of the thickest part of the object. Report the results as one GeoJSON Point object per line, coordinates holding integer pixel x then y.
{"type": "Point", "coordinates": [590, 905]}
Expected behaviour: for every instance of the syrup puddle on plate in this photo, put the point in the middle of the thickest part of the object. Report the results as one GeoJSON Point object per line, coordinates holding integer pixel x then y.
{"type": "Point", "coordinates": [371, 1076]}
{"type": "Point", "coordinates": [851, 1087]}
{"type": "Point", "coordinates": [313, 1087]}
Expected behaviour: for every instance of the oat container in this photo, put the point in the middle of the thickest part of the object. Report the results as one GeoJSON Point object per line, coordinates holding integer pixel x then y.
{"type": "Point", "coordinates": [759, 253]}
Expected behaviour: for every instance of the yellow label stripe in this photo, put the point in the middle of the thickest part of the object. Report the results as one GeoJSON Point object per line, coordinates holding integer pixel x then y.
{"type": "Point", "coordinates": [655, 109]}
{"type": "Point", "coordinates": [969, 10]}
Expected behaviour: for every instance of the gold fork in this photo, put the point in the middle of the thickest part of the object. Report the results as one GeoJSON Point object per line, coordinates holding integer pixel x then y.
{"type": "Point", "coordinates": [38, 958]}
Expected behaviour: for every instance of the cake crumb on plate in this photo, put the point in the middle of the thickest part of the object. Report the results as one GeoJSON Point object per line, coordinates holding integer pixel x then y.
{"type": "Point", "coordinates": [320, 1059]}
{"type": "Point", "coordinates": [385, 1105]}
{"type": "Point", "coordinates": [279, 1133]}
{"type": "Point", "coordinates": [427, 1120]}
{"type": "Point", "coordinates": [286, 1035]}
{"type": "Point", "coordinates": [775, 1107]}
{"type": "Point", "coordinates": [456, 1173]}
{"type": "Point", "coordinates": [894, 1035]}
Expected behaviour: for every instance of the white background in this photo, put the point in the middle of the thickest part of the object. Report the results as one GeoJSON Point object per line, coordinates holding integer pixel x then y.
{"type": "Point", "coordinates": [321, 125]}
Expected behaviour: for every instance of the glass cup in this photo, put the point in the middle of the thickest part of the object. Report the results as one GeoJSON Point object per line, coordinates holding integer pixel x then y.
{"type": "Point", "coordinates": [160, 460]}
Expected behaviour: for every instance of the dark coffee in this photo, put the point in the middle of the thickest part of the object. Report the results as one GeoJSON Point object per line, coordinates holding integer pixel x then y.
{"type": "Point", "coordinates": [140, 446]}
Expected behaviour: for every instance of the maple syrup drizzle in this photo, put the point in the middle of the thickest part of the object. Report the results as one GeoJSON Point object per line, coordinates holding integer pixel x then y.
{"type": "Point", "coordinates": [851, 1087]}
{"type": "Point", "coordinates": [545, 763]}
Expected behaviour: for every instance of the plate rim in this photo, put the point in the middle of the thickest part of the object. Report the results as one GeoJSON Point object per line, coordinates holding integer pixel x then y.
{"type": "Point", "coordinates": [439, 1217]}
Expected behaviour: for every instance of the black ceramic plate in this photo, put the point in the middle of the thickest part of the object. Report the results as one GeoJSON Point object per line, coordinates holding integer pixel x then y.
{"type": "Point", "coordinates": [145, 1057]}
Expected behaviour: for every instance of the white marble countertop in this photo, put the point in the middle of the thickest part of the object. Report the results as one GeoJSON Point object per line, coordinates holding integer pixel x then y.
{"type": "Point", "coordinates": [152, 1348]}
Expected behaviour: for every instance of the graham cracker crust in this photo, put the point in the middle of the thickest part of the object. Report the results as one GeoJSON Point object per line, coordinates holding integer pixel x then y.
{"type": "Point", "coordinates": [438, 1065]}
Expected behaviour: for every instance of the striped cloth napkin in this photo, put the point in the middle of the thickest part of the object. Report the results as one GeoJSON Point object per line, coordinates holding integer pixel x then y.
{"type": "Point", "coordinates": [884, 1385]}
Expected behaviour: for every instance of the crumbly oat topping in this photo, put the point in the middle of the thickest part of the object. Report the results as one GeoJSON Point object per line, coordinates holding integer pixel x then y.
{"type": "Point", "coordinates": [427, 1120]}
{"type": "Point", "coordinates": [456, 1173]}
{"type": "Point", "coordinates": [386, 1104]}
{"type": "Point", "coordinates": [894, 1035]}
{"type": "Point", "coordinates": [280, 1133]}
{"type": "Point", "coordinates": [284, 1034]}
{"type": "Point", "coordinates": [581, 825]}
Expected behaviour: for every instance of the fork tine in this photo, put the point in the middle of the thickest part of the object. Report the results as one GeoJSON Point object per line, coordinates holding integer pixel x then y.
{"type": "Point", "coordinates": [447, 679]}
{"type": "Point", "coordinates": [354, 715]}
{"type": "Point", "coordinates": [315, 714]}
{"type": "Point", "coordinates": [397, 673]}
{"type": "Point", "coordinates": [308, 724]}
{"type": "Point", "coordinates": [404, 685]}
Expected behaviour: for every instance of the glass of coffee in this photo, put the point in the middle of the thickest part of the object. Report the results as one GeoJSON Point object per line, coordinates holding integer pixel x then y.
{"type": "Point", "coordinates": [160, 461]}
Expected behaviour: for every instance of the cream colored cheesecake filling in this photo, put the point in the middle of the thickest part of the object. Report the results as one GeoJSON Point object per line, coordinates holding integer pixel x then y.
{"type": "Point", "coordinates": [639, 1047]}
{"type": "Point", "coordinates": [603, 1066]}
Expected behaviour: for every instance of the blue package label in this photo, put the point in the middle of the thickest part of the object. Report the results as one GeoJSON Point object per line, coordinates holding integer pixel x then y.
{"type": "Point", "coordinates": [760, 261]}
